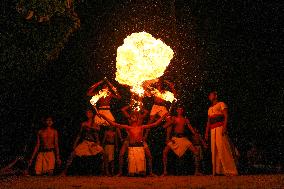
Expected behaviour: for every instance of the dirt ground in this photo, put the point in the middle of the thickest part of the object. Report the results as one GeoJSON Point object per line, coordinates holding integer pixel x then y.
{"type": "Point", "coordinates": [255, 181]}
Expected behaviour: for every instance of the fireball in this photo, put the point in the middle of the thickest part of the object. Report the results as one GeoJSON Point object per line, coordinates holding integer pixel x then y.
{"type": "Point", "coordinates": [141, 57]}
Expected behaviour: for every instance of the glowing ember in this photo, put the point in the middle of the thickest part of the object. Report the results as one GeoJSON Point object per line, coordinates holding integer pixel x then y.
{"type": "Point", "coordinates": [167, 95]}
{"type": "Point", "coordinates": [141, 58]}
{"type": "Point", "coordinates": [102, 94]}
{"type": "Point", "coordinates": [137, 105]}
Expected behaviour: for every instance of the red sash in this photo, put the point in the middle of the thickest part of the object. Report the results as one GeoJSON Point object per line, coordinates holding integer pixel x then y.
{"type": "Point", "coordinates": [216, 121]}
{"type": "Point", "coordinates": [215, 125]}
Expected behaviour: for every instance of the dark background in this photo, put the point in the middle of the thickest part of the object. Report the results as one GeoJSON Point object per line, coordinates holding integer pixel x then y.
{"type": "Point", "coordinates": [234, 47]}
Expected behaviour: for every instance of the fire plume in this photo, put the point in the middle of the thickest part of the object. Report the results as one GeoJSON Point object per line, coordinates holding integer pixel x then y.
{"type": "Point", "coordinates": [166, 95]}
{"type": "Point", "coordinates": [102, 94]}
{"type": "Point", "coordinates": [142, 57]}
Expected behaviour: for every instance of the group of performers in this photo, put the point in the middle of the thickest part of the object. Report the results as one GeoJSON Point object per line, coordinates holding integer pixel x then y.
{"type": "Point", "coordinates": [89, 143]}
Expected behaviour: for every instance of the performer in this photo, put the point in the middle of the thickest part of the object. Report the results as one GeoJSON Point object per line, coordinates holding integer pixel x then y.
{"type": "Point", "coordinates": [90, 145]}
{"type": "Point", "coordinates": [141, 116]}
{"type": "Point", "coordinates": [159, 107]}
{"type": "Point", "coordinates": [222, 155]}
{"type": "Point", "coordinates": [179, 144]}
{"type": "Point", "coordinates": [136, 152]}
{"type": "Point", "coordinates": [46, 149]}
{"type": "Point", "coordinates": [104, 103]}
{"type": "Point", "coordinates": [200, 145]}
{"type": "Point", "coordinates": [110, 143]}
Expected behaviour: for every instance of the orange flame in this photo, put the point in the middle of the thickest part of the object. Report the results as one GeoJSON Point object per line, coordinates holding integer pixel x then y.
{"type": "Point", "coordinates": [141, 58]}
{"type": "Point", "coordinates": [167, 95]}
{"type": "Point", "coordinates": [102, 94]}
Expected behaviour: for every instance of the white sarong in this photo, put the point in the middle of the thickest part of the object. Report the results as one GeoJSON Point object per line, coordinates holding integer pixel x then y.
{"type": "Point", "coordinates": [88, 148]}
{"type": "Point", "coordinates": [45, 163]}
{"type": "Point", "coordinates": [222, 156]}
{"type": "Point", "coordinates": [136, 160]}
{"type": "Point", "coordinates": [179, 145]}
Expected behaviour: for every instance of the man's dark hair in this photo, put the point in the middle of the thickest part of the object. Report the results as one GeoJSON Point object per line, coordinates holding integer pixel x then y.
{"type": "Point", "coordinates": [48, 116]}
{"type": "Point", "coordinates": [214, 92]}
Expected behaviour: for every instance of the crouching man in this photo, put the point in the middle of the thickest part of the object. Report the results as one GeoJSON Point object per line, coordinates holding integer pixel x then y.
{"type": "Point", "coordinates": [179, 143]}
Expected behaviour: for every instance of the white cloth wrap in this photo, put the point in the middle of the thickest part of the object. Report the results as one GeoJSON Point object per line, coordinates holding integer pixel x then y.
{"type": "Point", "coordinates": [136, 160]}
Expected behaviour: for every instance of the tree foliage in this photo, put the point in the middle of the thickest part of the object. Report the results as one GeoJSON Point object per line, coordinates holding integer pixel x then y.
{"type": "Point", "coordinates": [27, 45]}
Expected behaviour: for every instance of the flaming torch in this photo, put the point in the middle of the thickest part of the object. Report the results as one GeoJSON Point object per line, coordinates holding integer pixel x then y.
{"type": "Point", "coordinates": [167, 95]}
{"type": "Point", "coordinates": [141, 58]}
{"type": "Point", "coordinates": [102, 94]}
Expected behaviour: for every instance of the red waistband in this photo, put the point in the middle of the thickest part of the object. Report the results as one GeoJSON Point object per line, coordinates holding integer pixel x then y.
{"type": "Point", "coordinates": [216, 115]}
{"type": "Point", "coordinates": [215, 125]}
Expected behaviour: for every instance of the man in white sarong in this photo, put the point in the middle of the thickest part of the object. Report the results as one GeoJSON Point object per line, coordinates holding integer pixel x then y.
{"type": "Point", "coordinates": [223, 162]}
{"type": "Point", "coordinates": [136, 149]}
{"type": "Point", "coordinates": [141, 116]}
{"type": "Point", "coordinates": [136, 160]}
{"type": "Point", "coordinates": [46, 149]}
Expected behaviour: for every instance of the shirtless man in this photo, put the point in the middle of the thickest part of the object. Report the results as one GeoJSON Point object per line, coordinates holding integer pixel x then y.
{"type": "Point", "coordinates": [179, 144]}
{"type": "Point", "coordinates": [136, 141]}
{"type": "Point", "coordinates": [200, 145]}
{"type": "Point", "coordinates": [110, 143]}
{"type": "Point", "coordinates": [141, 117]}
{"type": "Point", "coordinates": [46, 149]}
{"type": "Point", "coordinates": [104, 103]}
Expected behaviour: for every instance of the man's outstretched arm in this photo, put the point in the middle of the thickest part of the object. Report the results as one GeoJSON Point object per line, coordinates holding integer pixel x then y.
{"type": "Point", "coordinates": [116, 94]}
{"type": "Point", "coordinates": [112, 123]}
{"type": "Point", "coordinates": [168, 123]}
{"type": "Point", "coordinates": [155, 123]}
{"type": "Point", "coordinates": [90, 91]}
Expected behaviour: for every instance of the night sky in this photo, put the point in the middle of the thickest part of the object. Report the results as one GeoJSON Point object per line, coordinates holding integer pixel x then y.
{"type": "Point", "coordinates": [233, 47]}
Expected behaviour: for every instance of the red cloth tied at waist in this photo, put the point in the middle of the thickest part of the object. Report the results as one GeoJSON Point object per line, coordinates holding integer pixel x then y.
{"type": "Point", "coordinates": [216, 121]}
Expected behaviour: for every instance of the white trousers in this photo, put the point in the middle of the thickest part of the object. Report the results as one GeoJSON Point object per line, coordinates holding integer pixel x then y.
{"type": "Point", "coordinates": [222, 157]}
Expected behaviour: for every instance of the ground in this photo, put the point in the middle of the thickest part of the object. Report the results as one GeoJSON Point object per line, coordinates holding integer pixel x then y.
{"type": "Point", "coordinates": [255, 181]}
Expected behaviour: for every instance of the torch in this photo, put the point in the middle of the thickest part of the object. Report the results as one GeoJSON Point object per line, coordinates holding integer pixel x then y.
{"type": "Point", "coordinates": [97, 112]}
{"type": "Point", "coordinates": [103, 93]}
{"type": "Point", "coordinates": [111, 86]}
